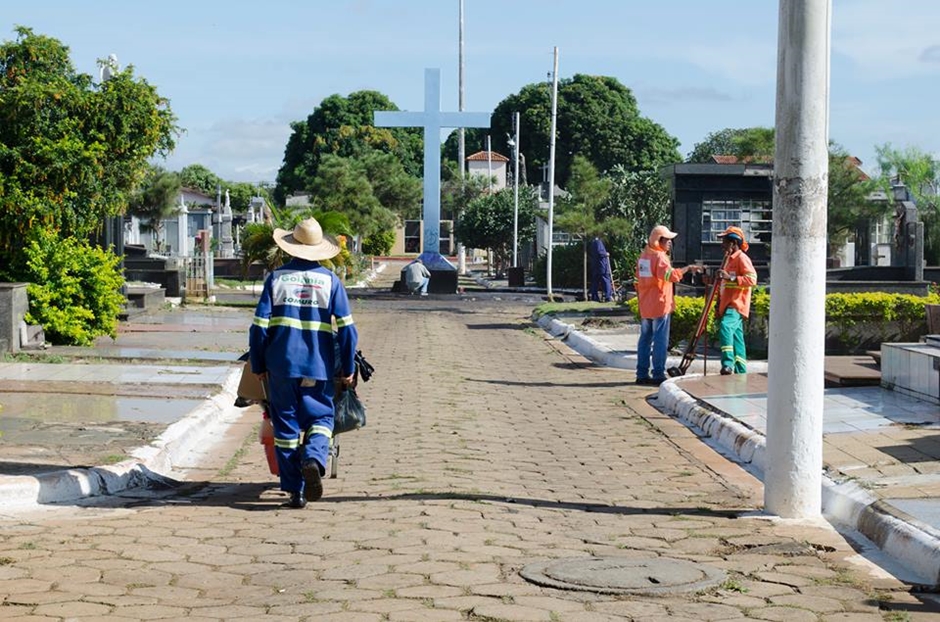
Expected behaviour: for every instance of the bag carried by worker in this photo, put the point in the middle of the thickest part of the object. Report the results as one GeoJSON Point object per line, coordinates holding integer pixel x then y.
{"type": "Point", "coordinates": [348, 412]}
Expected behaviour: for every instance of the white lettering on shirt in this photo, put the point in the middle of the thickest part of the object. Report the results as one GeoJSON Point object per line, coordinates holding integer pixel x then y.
{"type": "Point", "coordinates": [301, 289]}
{"type": "Point", "coordinates": [643, 267]}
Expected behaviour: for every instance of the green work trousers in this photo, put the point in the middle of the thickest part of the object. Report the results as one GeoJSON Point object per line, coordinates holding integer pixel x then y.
{"type": "Point", "coordinates": [731, 338]}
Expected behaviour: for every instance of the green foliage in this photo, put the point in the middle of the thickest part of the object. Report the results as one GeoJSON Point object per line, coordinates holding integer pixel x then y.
{"type": "Point", "coordinates": [487, 222]}
{"type": "Point", "coordinates": [74, 288]}
{"type": "Point", "coordinates": [343, 126]}
{"type": "Point", "coordinates": [848, 192]}
{"type": "Point", "coordinates": [70, 150]}
{"type": "Point", "coordinates": [920, 172]}
{"type": "Point", "coordinates": [642, 199]}
{"type": "Point", "coordinates": [598, 118]}
{"type": "Point", "coordinates": [567, 266]}
{"type": "Point", "coordinates": [342, 185]}
{"type": "Point", "coordinates": [380, 243]}
{"type": "Point", "coordinates": [685, 318]}
{"type": "Point", "coordinates": [257, 239]}
{"type": "Point", "coordinates": [756, 143]}
{"type": "Point", "coordinates": [198, 177]}
{"type": "Point", "coordinates": [155, 199]}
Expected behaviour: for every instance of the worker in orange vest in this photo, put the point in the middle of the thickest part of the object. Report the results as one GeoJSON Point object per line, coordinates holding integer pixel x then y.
{"type": "Point", "coordinates": [734, 302]}
{"type": "Point", "coordinates": [654, 278]}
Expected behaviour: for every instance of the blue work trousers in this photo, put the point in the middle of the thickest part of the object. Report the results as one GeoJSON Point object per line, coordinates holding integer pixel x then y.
{"type": "Point", "coordinates": [654, 340]}
{"type": "Point", "coordinates": [302, 415]}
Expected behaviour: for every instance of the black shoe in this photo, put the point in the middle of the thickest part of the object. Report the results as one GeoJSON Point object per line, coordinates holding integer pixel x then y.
{"type": "Point", "coordinates": [644, 381]}
{"type": "Point", "coordinates": [657, 381]}
{"type": "Point", "coordinates": [296, 501]}
{"type": "Point", "coordinates": [726, 371]}
{"type": "Point", "coordinates": [650, 382]}
{"type": "Point", "coordinates": [313, 484]}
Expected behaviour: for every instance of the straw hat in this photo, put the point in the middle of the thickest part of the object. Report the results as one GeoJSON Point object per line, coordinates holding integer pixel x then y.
{"type": "Point", "coordinates": [306, 241]}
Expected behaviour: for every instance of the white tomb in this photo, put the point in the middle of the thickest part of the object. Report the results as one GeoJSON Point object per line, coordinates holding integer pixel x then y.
{"type": "Point", "coordinates": [913, 368]}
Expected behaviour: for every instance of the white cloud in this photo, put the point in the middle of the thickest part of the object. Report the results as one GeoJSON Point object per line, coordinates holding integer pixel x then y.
{"type": "Point", "coordinates": [235, 149]}
{"type": "Point", "coordinates": [888, 39]}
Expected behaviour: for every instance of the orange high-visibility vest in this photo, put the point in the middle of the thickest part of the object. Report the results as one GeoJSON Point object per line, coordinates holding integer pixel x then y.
{"type": "Point", "coordinates": [654, 278]}
{"type": "Point", "coordinates": [736, 292]}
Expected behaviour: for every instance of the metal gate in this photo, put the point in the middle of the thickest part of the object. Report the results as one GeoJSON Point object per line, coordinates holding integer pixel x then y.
{"type": "Point", "coordinates": [199, 276]}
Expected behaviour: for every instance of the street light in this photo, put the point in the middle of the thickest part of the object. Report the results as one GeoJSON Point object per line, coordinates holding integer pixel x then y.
{"type": "Point", "coordinates": [514, 145]}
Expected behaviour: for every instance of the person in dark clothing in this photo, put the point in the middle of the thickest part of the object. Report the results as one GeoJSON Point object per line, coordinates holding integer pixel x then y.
{"type": "Point", "coordinates": [599, 266]}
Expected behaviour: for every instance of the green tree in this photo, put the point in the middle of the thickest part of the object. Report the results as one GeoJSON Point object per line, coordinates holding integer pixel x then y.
{"type": "Point", "coordinates": [747, 142]}
{"type": "Point", "coordinates": [487, 222]}
{"type": "Point", "coordinates": [198, 177]}
{"type": "Point", "coordinates": [848, 197]}
{"type": "Point", "coordinates": [342, 185]}
{"type": "Point", "coordinates": [343, 126]}
{"type": "Point", "coordinates": [156, 198]}
{"type": "Point", "coordinates": [71, 151]}
{"type": "Point", "coordinates": [581, 213]}
{"type": "Point", "coordinates": [257, 239]}
{"type": "Point", "coordinates": [392, 186]}
{"type": "Point", "coordinates": [598, 118]}
{"type": "Point", "coordinates": [643, 199]}
{"type": "Point", "coordinates": [920, 172]}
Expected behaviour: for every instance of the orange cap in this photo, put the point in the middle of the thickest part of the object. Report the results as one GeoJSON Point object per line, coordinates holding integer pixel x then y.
{"type": "Point", "coordinates": [660, 231]}
{"type": "Point", "coordinates": [737, 234]}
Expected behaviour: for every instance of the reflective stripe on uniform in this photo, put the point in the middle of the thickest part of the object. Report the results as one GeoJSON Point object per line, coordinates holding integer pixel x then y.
{"type": "Point", "coordinates": [346, 320]}
{"type": "Point", "coordinates": [319, 429]}
{"type": "Point", "coordinates": [260, 321]}
{"type": "Point", "coordinates": [287, 443]}
{"type": "Point", "coordinates": [301, 324]}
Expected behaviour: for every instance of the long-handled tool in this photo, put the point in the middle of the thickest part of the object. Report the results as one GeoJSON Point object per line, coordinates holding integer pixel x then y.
{"type": "Point", "coordinates": [700, 328]}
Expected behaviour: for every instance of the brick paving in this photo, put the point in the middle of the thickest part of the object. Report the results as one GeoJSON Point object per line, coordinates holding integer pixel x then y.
{"type": "Point", "coordinates": [489, 446]}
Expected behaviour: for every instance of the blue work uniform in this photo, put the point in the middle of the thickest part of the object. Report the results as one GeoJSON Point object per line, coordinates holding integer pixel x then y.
{"type": "Point", "coordinates": [599, 262]}
{"type": "Point", "coordinates": [292, 339]}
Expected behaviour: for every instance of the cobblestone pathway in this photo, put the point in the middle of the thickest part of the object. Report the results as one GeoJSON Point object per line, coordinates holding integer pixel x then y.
{"type": "Point", "coordinates": [488, 448]}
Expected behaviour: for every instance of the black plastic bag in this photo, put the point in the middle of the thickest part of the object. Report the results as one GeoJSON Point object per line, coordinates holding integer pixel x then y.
{"type": "Point", "coordinates": [348, 412]}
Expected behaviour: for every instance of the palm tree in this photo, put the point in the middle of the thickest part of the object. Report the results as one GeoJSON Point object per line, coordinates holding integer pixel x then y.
{"type": "Point", "coordinates": [258, 239]}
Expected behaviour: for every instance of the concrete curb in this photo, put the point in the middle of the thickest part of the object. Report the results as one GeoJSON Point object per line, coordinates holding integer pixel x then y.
{"type": "Point", "coordinates": [895, 533]}
{"type": "Point", "coordinates": [844, 503]}
{"type": "Point", "coordinates": [191, 436]}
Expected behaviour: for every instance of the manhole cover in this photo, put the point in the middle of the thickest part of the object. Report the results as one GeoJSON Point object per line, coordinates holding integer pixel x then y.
{"type": "Point", "coordinates": [618, 575]}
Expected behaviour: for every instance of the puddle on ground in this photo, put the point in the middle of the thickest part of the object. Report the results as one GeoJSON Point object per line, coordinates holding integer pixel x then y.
{"type": "Point", "coordinates": [63, 407]}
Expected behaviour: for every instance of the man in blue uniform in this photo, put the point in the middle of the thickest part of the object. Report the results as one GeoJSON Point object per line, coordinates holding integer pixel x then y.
{"type": "Point", "coordinates": [292, 349]}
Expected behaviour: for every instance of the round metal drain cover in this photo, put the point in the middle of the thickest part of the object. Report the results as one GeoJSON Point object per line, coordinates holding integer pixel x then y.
{"type": "Point", "coordinates": [619, 575]}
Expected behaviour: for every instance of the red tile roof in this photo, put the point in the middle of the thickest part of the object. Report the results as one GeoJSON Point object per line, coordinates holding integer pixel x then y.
{"type": "Point", "coordinates": [481, 156]}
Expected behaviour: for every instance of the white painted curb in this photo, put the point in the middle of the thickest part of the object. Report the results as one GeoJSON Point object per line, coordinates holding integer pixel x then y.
{"type": "Point", "coordinates": [904, 538]}
{"type": "Point", "coordinates": [193, 434]}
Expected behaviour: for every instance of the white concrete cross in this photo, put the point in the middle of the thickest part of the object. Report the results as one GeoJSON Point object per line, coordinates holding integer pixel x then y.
{"type": "Point", "coordinates": [432, 119]}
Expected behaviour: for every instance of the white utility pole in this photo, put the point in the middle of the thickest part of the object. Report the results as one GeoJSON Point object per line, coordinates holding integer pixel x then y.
{"type": "Point", "coordinates": [793, 474]}
{"type": "Point", "coordinates": [551, 176]}
{"type": "Point", "coordinates": [461, 144]}
{"type": "Point", "coordinates": [515, 192]}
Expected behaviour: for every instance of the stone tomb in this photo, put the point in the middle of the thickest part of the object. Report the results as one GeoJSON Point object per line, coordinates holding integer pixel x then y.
{"type": "Point", "coordinates": [913, 368]}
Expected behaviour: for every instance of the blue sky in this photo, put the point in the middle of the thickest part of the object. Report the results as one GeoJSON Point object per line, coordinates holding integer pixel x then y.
{"type": "Point", "coordinates": [237, 72]}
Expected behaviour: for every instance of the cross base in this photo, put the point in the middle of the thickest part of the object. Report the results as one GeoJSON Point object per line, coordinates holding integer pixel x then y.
{"type": "Point", "coordinates": [443, 273]}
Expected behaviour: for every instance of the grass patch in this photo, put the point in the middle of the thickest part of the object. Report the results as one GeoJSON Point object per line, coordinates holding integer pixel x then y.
{"type": "Point", "coordinates": [111, 459]}
{"type": "Point", "coordinates": [38, 357]}
{"type": "Point", "coordinates": [554, 308]}
{"type": "Point", "coordinates": [237, 457]}
{"type": "Point", "coordinates": [6, 561]}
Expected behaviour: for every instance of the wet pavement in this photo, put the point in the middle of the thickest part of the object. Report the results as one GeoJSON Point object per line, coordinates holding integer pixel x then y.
{"type": "Point", "coordinates": [490, 448]}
